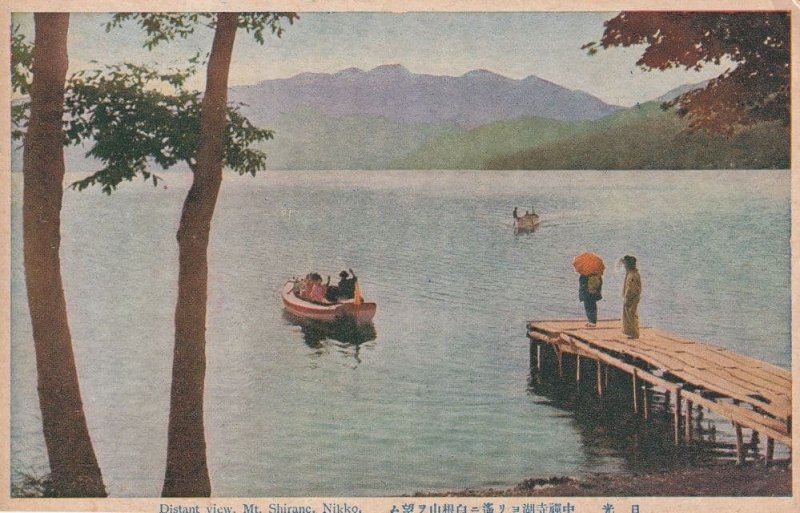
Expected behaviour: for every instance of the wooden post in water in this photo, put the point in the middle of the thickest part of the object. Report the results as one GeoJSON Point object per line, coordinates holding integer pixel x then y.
{"type": "Point", "coordinates": [699, 422]}
{"type": "Point", "coordinates": [739, 444]}
{"type": "Point", "coordinates": [646, 402]}
{"type": "Point", "coordinates": [599, 378]}
{"type": "Point", "coordinates": [688, 421]}
{"type": "Point", "coordinates": [539, 356]}
{"type": "Point", "coordinates": [677, 415]}
{"type": "Point", "coordinates": [578, 370]}
{"type": "Point", "coordinates": [769, 451]}
{"type": "Point", "coordinates": [754, 441]}
{"type": "Point", "coordinates": [635, 383]}
{"type": "Point", "coordinates": [740, 450]}
{"type": "Point", "coordinates": [560, 357]}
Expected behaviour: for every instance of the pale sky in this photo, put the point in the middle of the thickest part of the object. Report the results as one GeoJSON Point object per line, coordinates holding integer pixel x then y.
{"type": "Point", "coordinates": [515, 45]}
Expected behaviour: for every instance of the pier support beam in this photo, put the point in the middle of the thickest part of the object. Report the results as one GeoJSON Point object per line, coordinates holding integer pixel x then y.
{"type": "Point", "coordinates": [769, 451]}
{"type": "Point", "coordinates": [739, 444]}
{"type": "Point", "coordinates": [560, 357]}
{"type": "Point", "coordinates": [677, 416]}
{"type": "Point", "coordinates": [687, 422]}
{"type": "Point", "coordinates": [754, 441]}
{"type": "Point", "coordinates": [635, 383]}
{"type": "Point", "coordinates": [599, 378]}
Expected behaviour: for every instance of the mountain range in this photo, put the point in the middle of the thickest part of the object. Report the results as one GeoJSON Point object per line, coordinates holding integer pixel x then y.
{"type": "Point", "coordinates": [390, 118]}
{"type": "Point", "coordinates": [394, 93]}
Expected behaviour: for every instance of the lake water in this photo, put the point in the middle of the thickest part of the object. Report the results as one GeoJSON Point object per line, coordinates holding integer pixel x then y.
{"type": "Point", "coordinates": [437, 396]}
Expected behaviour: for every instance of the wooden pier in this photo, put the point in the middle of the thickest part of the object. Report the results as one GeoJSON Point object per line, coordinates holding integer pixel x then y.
{"type": "Point", "coordinates": [750, 393]}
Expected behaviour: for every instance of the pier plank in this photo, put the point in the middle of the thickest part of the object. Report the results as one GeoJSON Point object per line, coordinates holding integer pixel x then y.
{"type": "Point", "coordinates": [722, 352]}
{"type": "Point", "coordinates": [750, 380]}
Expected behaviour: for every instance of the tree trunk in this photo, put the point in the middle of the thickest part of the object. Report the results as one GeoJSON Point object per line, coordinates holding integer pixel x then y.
{"type": "Point", "coordinates": [73, 465]}
{"type": "Point", "coordinates": [187, 469]}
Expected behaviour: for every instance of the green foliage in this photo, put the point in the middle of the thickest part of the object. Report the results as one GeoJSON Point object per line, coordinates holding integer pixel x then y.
{"type": "Point", "coordinates": [21, 62]}
{"type": "Point", "coordinates": [256, 22]}
{"type": "Point", "coordinates": [29, 486]}
{"type": "Point", "coordinates": [136, 115]}
{"type": "Point", "coordinates": [162, 27]}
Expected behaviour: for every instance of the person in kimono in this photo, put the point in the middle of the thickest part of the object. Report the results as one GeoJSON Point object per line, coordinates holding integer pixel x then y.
{"type": "Point", "coordinates": [590, 289]}
{"type": "Point", "coordinates": [631, 293]}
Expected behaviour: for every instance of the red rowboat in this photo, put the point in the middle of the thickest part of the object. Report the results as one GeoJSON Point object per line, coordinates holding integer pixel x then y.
{"type": "Point", "coordinates": [362, 313]}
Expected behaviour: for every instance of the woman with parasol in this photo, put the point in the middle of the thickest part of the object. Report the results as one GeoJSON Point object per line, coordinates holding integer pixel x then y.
{"type": "Point", "coordinates": [590, 283]}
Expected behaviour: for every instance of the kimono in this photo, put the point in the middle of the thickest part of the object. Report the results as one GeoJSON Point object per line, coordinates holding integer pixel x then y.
{"type": "Point", "coordinates": [631, 292]}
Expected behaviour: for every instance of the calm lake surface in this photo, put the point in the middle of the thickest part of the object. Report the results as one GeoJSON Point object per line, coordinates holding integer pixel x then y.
{"type": "Point", "coordinates": [437, 397]}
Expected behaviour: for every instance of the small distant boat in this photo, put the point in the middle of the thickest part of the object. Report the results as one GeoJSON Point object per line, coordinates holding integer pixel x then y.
{"type": "Point", "coordinates": [361, 312]}
{"type": "Point", "coordinates": [526, 222]}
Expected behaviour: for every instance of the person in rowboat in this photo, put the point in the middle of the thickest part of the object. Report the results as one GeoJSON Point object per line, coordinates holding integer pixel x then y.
{"type": "Point", "coordinates": [307, 285]}
{"type": "Point", "coordinates": [347, 285]}
{"type": "Point", "coordinates": [318, 290]}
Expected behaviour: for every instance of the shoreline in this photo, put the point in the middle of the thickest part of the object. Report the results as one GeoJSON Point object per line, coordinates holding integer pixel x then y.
{"type": "Point", "coordinates": [717, 480]}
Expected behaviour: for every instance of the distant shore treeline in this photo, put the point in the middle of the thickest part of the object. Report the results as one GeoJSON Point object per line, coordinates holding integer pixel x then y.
{"type": "Point", "coordinates": [643, 137]}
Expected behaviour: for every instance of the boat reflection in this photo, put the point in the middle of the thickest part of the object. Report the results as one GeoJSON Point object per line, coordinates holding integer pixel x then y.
{"type": "Point", "coordinates": [525, 231]}
{"type": "Point", "coordinates": [345, 330]}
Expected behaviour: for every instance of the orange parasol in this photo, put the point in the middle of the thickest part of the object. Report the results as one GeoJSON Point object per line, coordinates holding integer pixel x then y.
{"type": "Point", "coordinates": [588, 263]}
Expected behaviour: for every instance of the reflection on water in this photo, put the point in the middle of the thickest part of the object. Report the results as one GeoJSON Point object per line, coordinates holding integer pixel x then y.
{"type": "Point", "coordinates": [317, 334]}
{"type": "Point", "coordinates": [520, 231]}
{"type": "Point", "coordinates": [609, 426]}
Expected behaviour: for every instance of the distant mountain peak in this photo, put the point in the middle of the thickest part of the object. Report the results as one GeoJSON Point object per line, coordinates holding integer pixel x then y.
{"type": "Point", "coordinates": [533, 79]}
{"type": "Point", "coordinates": [390, 68]}
{"type": "Point", "coordinates": [483, 73]}
{"type": "Point", "coordinates": [349, 71]}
